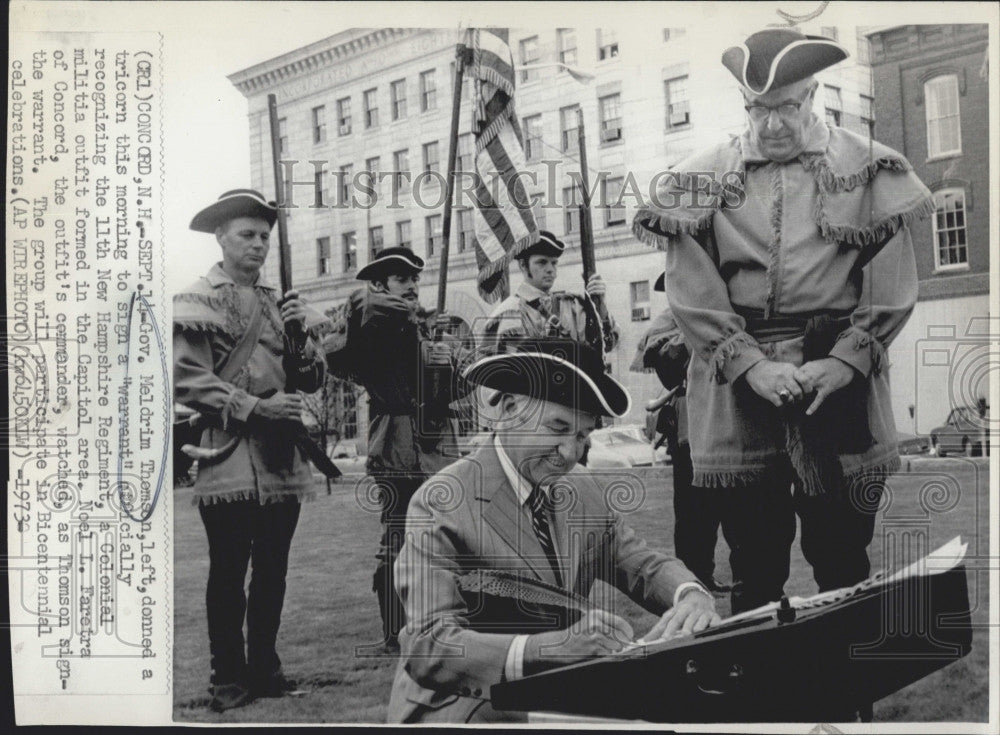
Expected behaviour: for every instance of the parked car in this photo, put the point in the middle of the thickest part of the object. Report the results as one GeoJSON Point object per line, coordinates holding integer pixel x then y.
{"type": "Point", "coordinates": [963, 432]}
{"type": "Point", "coordinates": [627, 441]}
{"type": "Point", "coordinates": [910, 444]}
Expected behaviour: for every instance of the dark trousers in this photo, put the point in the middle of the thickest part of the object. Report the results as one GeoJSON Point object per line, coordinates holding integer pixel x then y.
{"type": "Point", "coordinates": [696, 518]}
{"type": "Point", "coordinates": [395, 492]}
{"type": "Point", "coordinates": [242, 532]}
{"type": "Point", "coordinates": [758, 523]}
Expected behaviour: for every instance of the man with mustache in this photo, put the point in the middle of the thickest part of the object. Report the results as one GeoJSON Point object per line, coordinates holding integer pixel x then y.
{"type": "Point", "coordinates": [789, 269]}
{"type": "Point", "coordinates": [520, 505]}
{"type": "Point", "coordinates": [379, 338]}
{"type": "Point", "coordinates": [230, 338]}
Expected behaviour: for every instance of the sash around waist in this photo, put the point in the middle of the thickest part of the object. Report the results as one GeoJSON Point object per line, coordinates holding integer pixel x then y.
{"type": "Point", "coordinates": [777, 328]}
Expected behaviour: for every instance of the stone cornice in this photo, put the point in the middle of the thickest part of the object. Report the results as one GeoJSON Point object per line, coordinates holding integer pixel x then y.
{"type": "Point", "coordinates": [328, 52]}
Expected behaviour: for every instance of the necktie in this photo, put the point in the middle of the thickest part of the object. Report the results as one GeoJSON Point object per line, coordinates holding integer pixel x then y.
{"type": "Point", "coordinates": [538, 503]}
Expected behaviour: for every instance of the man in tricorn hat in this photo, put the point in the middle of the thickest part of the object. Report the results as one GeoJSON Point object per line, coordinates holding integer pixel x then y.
{"type": "Point", "coordinates": [379, 339]}
{"type": "Point", "coordinates": [790, 269]}
{"type": "Point", "coordinates": [535, 310]}
{"type": "Point", "coordinates": [233, 362]}
{"type": "Point", "coordinates": [519, 509]}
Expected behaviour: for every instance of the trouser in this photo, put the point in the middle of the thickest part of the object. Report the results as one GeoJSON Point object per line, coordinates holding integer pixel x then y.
{"type": "Point", "coordinates": [242, 532]}
{"type": "Point", "coordinates": [758, 523]}
{"type": "Point", "coordinates": [696, 518]}
{"type": "Point", "coordinates": [395, 492]}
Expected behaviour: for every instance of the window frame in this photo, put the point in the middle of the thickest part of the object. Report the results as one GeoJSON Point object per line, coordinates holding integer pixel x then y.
{"type": "Point", "coordinates": [684, 78]}
{"type": "Point", "coordinates": [940, 267]}
{"type": "Point", "coordinates": [932, 84]}
{"type": "Point", "coordinates": [397, 102]}
{"type": "Point", "coordinates": [428, 95]}
{"type": "Point", "coordinates": [371, 113]}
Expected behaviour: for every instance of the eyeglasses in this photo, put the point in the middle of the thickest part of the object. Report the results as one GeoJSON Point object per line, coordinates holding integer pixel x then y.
{"type": "Point", "coordinates": [762, 112]}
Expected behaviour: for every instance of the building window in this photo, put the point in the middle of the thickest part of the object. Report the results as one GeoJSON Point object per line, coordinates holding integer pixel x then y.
{"type": "Point", "coordinates": [375, 242]}
{"type": "Point", "coordinates": [372, 166]}
{"type": "Point", "coordinates": [566, 38]}
{"type": "Point", "coordinates": [944, 131]}
{"type": "Point", "coordinates": [282, 136]}
{"type": "Point", "coordinates": [533, 137]}
{"type": "Point", "coordinates": [864, 49]}
{"type": "Point", "coordinates": [350, 243]}
{"type": "Point", "coordinates": [319, 187]}
{"type": "Point", "coordinates": [323, 256]}
{"type": "Point", "coordinates": [614, 214]}
{"type": "Point", "coordinates": [397, 96]}
{"type": "Point", "coordinates": [950, 249]}
{"type": "Point", "coordinates": [571, 210]}
{"type": "Point", "coordinates": [868, 115]}
{"type": "Point", "coordinates": [569, 131]}
{"type": "Point", "coordinates": [833, 103]}
{"type": "Point", "coordinates": [466, 235]}
{"type": "Point", "coordinates": [319, 124]}
{"type": "Point", "coordinates": [432, 161]}
{"type": "Point", "coordinates": [610, 109]}
{"type": "Point", "coordinates": [344, 116]}
{"type": "Point", "coordinates": [607, 44]}
{"type": "Point", "coordinates": [400, 165]}
{"type": "Point", "coordinates": [529, 55]}
{"type": "Point", "coordinates": [639, 295]}
{"type": "Point", "coordinates": [673, 33]}
{"type": "Point", "coordinates": [829, 32]}
{"type": "Point", "coordinates": [403, 237]}
{"type": "Point", "coordinates": [428, 91]}
{"type": "Point", "coordinates": [433, 229]}
{"type": "Point", "coordinates": [344, 402]}
{"type": "Point", "coordinates": [465, 152]}
{"type": "Point", "coordinates": [346, 173]}
{"type": "Point", "coordinates": [371, 108]}
{"type": "Point", "coordinates": [678, 107]}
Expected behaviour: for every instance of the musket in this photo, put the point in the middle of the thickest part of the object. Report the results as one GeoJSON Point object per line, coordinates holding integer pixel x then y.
{"type": "Point", "coordinates": [295, 334]}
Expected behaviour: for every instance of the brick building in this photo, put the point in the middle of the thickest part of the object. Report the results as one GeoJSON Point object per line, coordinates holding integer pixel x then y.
{"type": "Point", "coordinates": [931, 104]}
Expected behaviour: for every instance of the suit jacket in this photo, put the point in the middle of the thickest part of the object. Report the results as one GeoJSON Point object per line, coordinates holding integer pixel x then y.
{"type": "Point", "coordinates": [468, 517]}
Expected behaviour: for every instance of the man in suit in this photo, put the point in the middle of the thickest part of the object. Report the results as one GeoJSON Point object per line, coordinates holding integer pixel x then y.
{"type": "Point", "coordinates": [519, 504]}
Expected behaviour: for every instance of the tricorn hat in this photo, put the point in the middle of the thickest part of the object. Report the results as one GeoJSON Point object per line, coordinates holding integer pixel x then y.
{"type": "Point", "coordinates": [546, 244]}
{"type": "Point", "coordinates": [776, 57]}
{"type": "Point", "coordinates": [391, 261]}
{"type": "Point", "coordinates": [233, 204]}
{"type": "Point", "coordinates": [561, 371]}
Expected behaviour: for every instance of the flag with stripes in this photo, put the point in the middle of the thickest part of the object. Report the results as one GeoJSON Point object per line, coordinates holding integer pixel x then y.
{"type": "Point", "coordinates": [503, 221]}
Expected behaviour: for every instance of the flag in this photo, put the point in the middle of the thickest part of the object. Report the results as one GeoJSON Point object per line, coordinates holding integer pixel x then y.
{"type": "Point", "coordinates": [503, 228]}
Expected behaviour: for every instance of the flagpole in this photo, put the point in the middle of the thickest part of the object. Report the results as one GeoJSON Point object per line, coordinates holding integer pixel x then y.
{"type": "Point", "coordinates": [586, 224]}
{"type": "Point", "coordinates": [461, 52]}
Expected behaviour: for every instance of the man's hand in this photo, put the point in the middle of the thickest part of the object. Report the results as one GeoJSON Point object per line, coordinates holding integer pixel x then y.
{"type": "Point", "coordinates": [293, 309]}
{"type": "Point", "coordinates": [823, 376]}
{"type": "Point", "coordinates": [775, 382]}
{"type": "Point", "coordinates": [439, 354]}
{"type": "Point", "coordinates": [595, 287]}
{"type": "Point", "coordinates": [280, 407]}
{"type": "Point", "coordinates": [694, 612]}
{"type": "Point", "coordinates": [596, 634]}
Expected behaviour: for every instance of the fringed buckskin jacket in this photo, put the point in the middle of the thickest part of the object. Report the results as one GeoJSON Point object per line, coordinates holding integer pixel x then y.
{"type": "Point", "coordinates": [210, 317]}
{"type": "Point", "coordinates": [748, 239]}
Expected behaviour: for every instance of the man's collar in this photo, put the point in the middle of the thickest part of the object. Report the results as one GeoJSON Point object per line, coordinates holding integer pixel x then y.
{"type": "Point", "coordinates": [817, 139]}
{"type": "Point", "coordinates": [522, 488]}
{"type": "Point", "coordinates": [217, 276]}
{"type": "Point", "coordinates": [529, 293]}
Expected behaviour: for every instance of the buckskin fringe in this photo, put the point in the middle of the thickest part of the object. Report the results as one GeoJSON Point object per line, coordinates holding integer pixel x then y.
{"type": "Point", "coordinates": [727, 478]}
{"type": "Point", "coordinates": [774, 263]}
{"type": "Point", "coordinates": [862, 340]}
{"type": "Point", "coordinates": [666, 226]}
{"type": "Point", "coordinates": [731, 347]}
{"type": "Point", "coordinates": [875, 233]}
{"type": "Point", "coordinates": [199, 325]}
{"type": "Point", "coordinates": [233, 496]}
{"type": "Point", "coordinates": [819, 166]}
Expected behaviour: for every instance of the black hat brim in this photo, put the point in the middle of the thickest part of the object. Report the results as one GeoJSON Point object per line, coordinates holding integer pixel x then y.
{"type": "Point", "coordinates": [390, 262]}
{"type": "Point", "coordinates": [550, 378]}
{"type": "Point", "coordinates": [229, 208]}
{"type": "Point", "coordinates": [661, 282]}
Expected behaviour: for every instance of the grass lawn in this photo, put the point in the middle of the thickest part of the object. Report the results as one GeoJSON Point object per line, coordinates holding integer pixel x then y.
{"type": "Point", "coordinates": [331, 613]}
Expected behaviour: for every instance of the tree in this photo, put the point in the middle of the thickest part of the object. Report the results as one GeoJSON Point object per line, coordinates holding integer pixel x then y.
{"type": "Point", "coordinates": [331, 413]}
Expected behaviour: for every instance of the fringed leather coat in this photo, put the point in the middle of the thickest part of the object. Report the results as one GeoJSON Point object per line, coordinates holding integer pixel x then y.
{"type": "Point", "coordinates": [749, 240]}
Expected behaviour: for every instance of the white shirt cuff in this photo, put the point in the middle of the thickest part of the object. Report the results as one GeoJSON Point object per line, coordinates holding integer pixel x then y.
{"type": "Point", "coordinates": [683, 589]}
{"type": "Point", "coordinates": [514, 666]}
